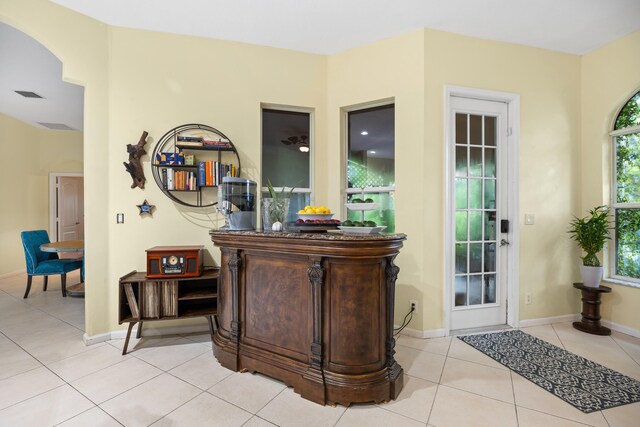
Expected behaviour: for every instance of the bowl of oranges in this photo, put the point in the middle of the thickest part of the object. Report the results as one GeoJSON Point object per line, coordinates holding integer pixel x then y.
{"type": "Point", "coordinates": [315, 213]}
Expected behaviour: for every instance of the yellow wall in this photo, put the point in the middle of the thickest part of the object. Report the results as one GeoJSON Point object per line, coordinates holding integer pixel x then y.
{"type": "Point", "coordinates": [30, 154]}
{"type": "Point", "coordinates": [390, 69]}
{"type": "Point", "coordinates": [141, 80]}
{"type": "Point", "coordinates": [82, 46]}
{"type": "Point", "coordinates": [159, 81]}
{"type": "Point", "coordinates": [548, 85]}
{"type": "Point", "coordinates": [609, 78]}
{"type": "Point", "coordinates": [414, 69]}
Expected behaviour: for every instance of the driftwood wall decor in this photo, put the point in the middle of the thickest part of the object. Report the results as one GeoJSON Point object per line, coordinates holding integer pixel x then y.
{"type": "Point", "coordinates": [134, 167]}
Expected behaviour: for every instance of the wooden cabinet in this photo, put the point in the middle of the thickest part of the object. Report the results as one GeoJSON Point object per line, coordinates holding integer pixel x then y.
{"type": "Point", "coordinates": [187, 184]}
{"type": "Point", "coordinates": [143, 300]}
{"type": "Point", "coordinates": [313, 310]}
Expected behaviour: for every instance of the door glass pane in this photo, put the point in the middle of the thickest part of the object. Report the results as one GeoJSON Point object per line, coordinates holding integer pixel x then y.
{"type": "Point", "coordinates": [475, 161]}
{"type": "Point", "coordinates": [461, 128]}
{"type": "Point", "coordinates": [475, 193]}
{"type": "Point", "coordinates": [461, 291]}
{"type": "Point", "coordinates": [490, 225]}
{"type": "Point", "coordinates": [490, 162]}
{"type": "Point", "coordinates": [475, 225]}
{"type": "Point", "coordinates": [475, 130]}
{"type": "Point", "coordinates": [461, 257]}
{"type": "Point", "coordinates": [489, 288]}
{"type": "Point", "coordinates": [475, 290]}
{"type": "Point", "coordinates": [461, 161]}
{"type": "Point", "coordinates": [490, 131]}
{"type": "Point", "coordinates": [461, 193]}
{"type": "Point", "coordinates": [475, 257]}
{"type": "Point", "coordinates": [489, 257]}
{"type": "Point", "coordinates": [489, 193]}
{"type": "Point", "coordinates": [461, 226]}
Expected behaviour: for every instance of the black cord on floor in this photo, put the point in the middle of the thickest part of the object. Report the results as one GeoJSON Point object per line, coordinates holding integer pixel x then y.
{"type": "Point", "coordinates": [405, 322]}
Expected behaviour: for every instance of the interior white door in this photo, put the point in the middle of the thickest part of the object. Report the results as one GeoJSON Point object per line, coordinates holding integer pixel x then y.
{"type": "Point", "coordinates": [70, 210]}
{"type": "Point", "coordinates": [480, 237]}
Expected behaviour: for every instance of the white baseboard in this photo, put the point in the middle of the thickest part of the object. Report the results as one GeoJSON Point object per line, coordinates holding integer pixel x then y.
{"type": "Point", "coordinates": [548, 320]}
{"type": "Point", "coordinates": [621, 328]}
{"type": "Point", "coordinates": [95, 339]}
{"type": "Point", "coordinates": [146, 331]}
{"type": "Point", "coordinates": [13, 273]}
{"type": "Point", "coordinates": [416, 333]}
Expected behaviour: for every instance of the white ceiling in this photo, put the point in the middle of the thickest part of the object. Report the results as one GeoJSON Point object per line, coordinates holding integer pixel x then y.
{"type": "Point", "coordinates": [316, 26]}
{"type": "Point", "coordinates": [26, 65]}
{"type": "Point", "coordinates": [330, 26]}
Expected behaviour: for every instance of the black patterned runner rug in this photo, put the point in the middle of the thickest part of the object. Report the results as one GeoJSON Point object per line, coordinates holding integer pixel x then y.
{"type": "Point", "coordinates": [580, 382]}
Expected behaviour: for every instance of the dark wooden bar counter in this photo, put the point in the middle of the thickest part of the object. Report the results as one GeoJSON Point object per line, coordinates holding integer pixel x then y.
{"type": "Point", "coordinates": [312, 310]}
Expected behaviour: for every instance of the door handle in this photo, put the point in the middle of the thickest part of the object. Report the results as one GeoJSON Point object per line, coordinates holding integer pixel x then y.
{"type": "Point", "coordinates": [77, 223]}
{"type": "Point", "coordinates": [504, 242]}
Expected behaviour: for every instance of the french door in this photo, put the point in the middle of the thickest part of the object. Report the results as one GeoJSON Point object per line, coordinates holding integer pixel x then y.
{"type": "Point", "coordinates": [479, 240]}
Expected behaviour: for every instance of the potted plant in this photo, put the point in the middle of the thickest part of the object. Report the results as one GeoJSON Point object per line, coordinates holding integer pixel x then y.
{"type": "Point", "coordinates": [591, 233]}
{"type": "Point", "coordinates": [275, 208]}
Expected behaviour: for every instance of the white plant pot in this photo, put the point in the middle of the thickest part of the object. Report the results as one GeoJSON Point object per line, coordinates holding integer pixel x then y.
{"type": "Point", "coordinates": [591, 276]}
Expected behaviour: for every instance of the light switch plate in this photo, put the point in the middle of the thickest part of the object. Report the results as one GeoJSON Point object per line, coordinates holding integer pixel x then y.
{"type": "Point", "coordinates": [529, 219]}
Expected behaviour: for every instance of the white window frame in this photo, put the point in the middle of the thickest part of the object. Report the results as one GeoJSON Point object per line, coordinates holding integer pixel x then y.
{"type": "Point", "coordinates": [345, 137]}
{"type": "Point", "coordinates": [306, 110]}
{"type": "Point", "coordinates": [613, 277]}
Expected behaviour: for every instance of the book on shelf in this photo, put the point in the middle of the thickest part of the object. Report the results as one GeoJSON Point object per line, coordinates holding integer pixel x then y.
{"type": "Point", "coordinates": [164, 179]}
{"type": "Point", "coordinates": [202, 180]}
{"type": "Point", "coordinates": [189, 159]}
{"type": "Point", "coordinates": [220, 143]}
{"type": "Point", "coordinates": [189, 144]}
{"type": "Point", "coordinates": [170, 179]}
{"type": "Point", "coordinates": [208, 173]}
{"type": "Point", "coordinates": [189, 138]}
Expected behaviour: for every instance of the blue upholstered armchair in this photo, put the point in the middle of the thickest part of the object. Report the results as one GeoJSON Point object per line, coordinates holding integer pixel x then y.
{"type": "Point", "coordinates": [41, 263]}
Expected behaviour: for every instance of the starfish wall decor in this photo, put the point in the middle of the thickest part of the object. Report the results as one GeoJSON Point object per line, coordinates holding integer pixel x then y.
{"type": "Point", "coordinates": [146, 208]}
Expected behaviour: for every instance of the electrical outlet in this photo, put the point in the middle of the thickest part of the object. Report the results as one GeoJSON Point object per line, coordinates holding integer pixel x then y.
{"type": "Point", "coordinates": [413, 304]}
{"type": "Point", "coordinates": [527, 298]}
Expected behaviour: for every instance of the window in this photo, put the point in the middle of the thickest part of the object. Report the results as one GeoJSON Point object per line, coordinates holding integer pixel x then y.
{"type": "Point", "coordinates": [626, 192]}
{"type": "Point", "coordinates": [286, 155]}
{"type": "Point", "coordinates": [371, 163]}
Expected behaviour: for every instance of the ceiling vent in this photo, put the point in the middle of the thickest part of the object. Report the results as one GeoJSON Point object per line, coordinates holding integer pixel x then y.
{"type": "Point", "coordinates": [28, 94]}
{"type": "Point", "coordinates": [56, 126]}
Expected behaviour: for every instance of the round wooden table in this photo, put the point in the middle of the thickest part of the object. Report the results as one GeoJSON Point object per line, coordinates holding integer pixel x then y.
{"type": "Point", "coordinates": [67, 246]}
{"type": "Point", "coordinates": [590, 322]}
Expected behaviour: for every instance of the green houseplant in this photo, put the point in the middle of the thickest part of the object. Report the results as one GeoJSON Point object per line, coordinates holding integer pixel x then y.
{"type": "Point", "coordinates": [591, 233]}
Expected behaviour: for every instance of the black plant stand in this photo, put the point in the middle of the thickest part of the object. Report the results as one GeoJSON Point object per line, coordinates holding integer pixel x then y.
{"type": "Point", "coordinates": [590, 322]}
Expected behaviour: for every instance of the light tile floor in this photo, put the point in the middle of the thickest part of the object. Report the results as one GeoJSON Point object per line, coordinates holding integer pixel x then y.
{"type": "Point", "coordinates": [48, 377]}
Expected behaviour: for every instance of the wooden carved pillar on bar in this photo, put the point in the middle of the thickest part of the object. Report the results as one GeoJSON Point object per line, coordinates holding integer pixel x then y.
{"type": "Point", "coordinates": [316, 276]}
{"type": "Point", "coordinates": [391, 271]}
{"type": "Point", "coordinates": [234, 265]}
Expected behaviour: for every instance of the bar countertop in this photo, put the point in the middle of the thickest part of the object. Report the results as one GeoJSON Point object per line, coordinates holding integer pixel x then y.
{"type": "Point", "coordinates": [337, 236]}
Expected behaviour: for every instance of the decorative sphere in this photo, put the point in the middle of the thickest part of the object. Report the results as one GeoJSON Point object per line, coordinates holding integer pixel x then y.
{"type": "Point", "coordinates": [276, 226]}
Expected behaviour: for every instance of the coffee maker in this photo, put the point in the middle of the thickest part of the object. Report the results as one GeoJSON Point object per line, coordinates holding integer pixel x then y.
{"type": "Point", "coordinates": [237, 202]}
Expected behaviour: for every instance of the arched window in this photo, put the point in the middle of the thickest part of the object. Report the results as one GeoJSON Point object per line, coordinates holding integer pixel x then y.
{"type": "Point", "coordinates": [625, 203]}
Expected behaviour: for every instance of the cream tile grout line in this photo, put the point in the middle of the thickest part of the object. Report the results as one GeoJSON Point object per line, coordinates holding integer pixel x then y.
{"type": "Point", "coordinates": [624, 351]}
{"type": "Point", "coordinates": [433, 402]}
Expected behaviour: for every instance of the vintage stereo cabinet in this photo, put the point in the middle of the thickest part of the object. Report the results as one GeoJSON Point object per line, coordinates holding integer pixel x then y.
{"type": "Point", "coordinates": [165, 262]}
